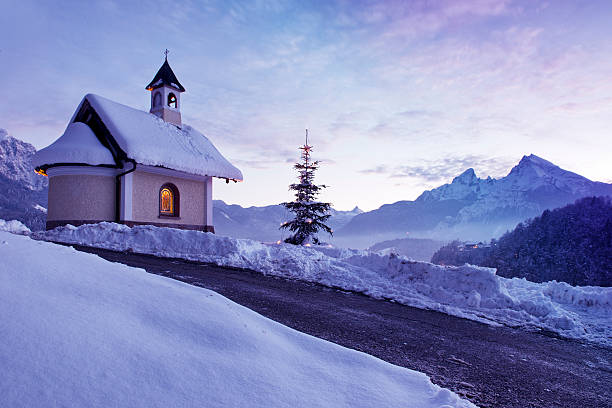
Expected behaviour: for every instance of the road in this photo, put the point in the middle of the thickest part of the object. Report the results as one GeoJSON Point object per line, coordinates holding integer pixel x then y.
{"type": "Point", "coordinates": [491, 366]}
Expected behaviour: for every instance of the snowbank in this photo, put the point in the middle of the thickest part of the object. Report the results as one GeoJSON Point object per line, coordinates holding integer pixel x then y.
{"type": "Point", "coordinates": [81, 331]}
{"type": "Point", "coordinates": [14, 226]}
{"type": "Point", "coordinates": [468, 291]}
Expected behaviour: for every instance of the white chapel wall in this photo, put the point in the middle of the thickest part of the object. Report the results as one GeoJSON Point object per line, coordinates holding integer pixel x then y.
{"type": "Point", "coordinates": [81, 197]}
{"type": "Point", "coordinates": [145, 199]}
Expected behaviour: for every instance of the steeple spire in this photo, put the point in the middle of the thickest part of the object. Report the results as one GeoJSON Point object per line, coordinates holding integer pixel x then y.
{"type": "Point", "coordinates": [165, 93]}
{"type": "Point", "coordinates": [165, 76]}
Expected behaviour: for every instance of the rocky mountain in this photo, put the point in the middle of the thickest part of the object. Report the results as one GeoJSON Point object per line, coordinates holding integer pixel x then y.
{"type": "Point", "coordinates": [472, 208]}
{"type": "Point", "coordinates": [24, 193]}
{"type": "Point", "coordinates": [15, 162]}
{"type": "Point", "coordinates": [262, 223]}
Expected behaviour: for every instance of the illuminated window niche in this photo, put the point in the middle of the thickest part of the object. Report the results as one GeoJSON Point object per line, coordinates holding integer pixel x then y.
{"type": "Point", "coordinates": [168, 201]}
{"type": "Point", "coordinates": [172, 100]}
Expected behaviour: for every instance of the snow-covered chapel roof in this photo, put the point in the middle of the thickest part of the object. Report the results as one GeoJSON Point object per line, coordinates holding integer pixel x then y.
{"type": "Point", "coordinates": [77, 145]}
{"type": "Point", "coordinates": [143, 137]}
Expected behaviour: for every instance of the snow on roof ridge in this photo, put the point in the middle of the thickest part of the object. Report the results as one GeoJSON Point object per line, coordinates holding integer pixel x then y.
{"type": "Point", "coordinates": [148, 139]}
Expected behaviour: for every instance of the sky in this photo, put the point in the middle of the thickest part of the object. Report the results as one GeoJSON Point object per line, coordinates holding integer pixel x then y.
{"type": "Point", "coordinates": [398, 96]}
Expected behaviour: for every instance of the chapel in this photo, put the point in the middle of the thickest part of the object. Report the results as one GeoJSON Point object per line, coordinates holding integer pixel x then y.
{"type": "Point", "coordinates": [124, 165]}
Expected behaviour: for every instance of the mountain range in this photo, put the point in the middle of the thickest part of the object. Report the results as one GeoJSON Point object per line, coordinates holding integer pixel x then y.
{"type": "Point", "coordinates": [262, 223]}
{"type": "Point", "coordinates": [471, 208]}
{"type": "Point", "coordinates": [468, 208]}
{"type": "Point", "coordinates": [15, 162]}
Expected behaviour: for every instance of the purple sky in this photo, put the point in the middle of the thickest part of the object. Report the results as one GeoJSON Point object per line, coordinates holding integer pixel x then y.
{"type": "Point", "coordinates": [398, 96]}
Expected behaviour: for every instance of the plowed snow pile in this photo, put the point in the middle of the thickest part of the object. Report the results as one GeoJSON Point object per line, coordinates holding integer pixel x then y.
{"type": "Point", "coordinates": [468, 291]}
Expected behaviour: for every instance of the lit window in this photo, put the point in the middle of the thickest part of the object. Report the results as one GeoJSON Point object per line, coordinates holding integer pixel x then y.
{"type": "Point", "coordinates": [168, 200]}
{"type": "Point", "coordinates": [172, 100]}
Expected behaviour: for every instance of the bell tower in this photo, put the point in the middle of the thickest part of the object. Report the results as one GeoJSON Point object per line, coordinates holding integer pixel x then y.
{"type": "Point", "coordinates": [166, 94]}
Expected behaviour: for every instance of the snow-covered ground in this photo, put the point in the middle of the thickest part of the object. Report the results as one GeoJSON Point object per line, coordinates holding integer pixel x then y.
{"type": "Point", "coordinates": [14, 226]}
{"type": "Point", "coordinates": [468, 291]}
{"type": "Point", "coordinates": [79, 331]}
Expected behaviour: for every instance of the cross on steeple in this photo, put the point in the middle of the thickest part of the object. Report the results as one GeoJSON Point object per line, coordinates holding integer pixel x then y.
{"type": "Point", "coordinates": [166, 54]}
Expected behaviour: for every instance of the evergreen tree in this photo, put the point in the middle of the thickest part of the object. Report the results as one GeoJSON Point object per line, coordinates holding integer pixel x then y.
{"type": "Point", "coordinates": [572, 244]}
{"type": "Point", "coordinates": [310, 214]}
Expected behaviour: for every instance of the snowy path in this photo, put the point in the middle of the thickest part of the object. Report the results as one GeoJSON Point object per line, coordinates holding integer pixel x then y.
{"type": "Point", "coordinates": [492, 366]}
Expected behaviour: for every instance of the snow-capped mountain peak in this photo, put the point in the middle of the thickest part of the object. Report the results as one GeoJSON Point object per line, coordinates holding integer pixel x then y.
{"type": "Point", "coordinates": [478, 209]}
{"type": "Point", "coordinates": [463, 187]}
{"type": "Point", "coordinates": [532, 159]}
{"type": "Point", "coordinates": [468, 177]}
{"type": "Point", "coordinates": [356, 210]}
{"type": "Point", "coordinates": [534, 165]}
{"type": "Point", "coordinates": [530, 174]}
{"type": "Point", "coordinates": [533, 173]}
{"type": "Point", "coordinates": [15, 162]}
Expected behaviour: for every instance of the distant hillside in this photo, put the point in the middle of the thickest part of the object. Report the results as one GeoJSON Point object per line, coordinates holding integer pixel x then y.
{"type": "Point", "coordinates": [24, 193]}
{"type": "Point", "coordinates": [415, 248]}
{"type": "Point", "coordinates": [472, 208]}
{"type": "Point", "coordinates": [262, 223]}
{"type": "Point", "coordinates": [572, 244]}
{"type": "Point", "coordinates": [20, 203]}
